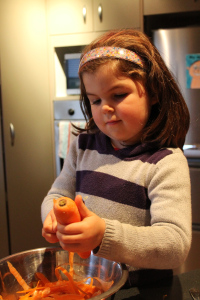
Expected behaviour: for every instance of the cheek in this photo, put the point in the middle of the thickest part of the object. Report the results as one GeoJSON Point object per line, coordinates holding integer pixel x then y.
{"type": "Point", "coordinates": [95, 114]}
{"type": "Point", "coordinates": [137, 114]}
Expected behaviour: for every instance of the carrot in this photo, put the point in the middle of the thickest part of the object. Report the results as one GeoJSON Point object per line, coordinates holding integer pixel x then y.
{"type": "Point", "coordinates": [18, 276]}
{"type": "Point", "coordinates": [8, 297]}
{"type": "Point", "coordinates": [74, 289]}
{"type": "Point", "coordinates": [42, 277]}
{"type": "Point", "coordinates": [2, 283]}
{"type": "Point", "coordinates": [66, 212]}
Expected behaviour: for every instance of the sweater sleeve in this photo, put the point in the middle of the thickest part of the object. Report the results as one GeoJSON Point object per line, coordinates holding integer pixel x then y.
{"type": "Point", "coordinates": [166, 242]}
{"type": "Point", "coordinates": [65, 183]}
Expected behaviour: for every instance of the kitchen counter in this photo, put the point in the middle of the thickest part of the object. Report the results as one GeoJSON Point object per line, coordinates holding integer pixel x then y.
{"type": "Point", "coordinates": [176, 288]}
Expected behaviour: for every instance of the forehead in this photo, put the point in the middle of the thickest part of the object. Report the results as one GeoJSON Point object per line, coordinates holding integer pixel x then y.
{"type": "Point", "coordinates": [103, 77]}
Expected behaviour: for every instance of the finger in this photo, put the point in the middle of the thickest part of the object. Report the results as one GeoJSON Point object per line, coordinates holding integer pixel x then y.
{"type": "Point", "coordinates": [54, 225]}
{"type": "Point", "coordinates": [71, 239]}
{"type": "Point", "coordinates": [83, 210]}
{"type": "Point", "coordinates": [47, 228]}
{"type": "Point", "coordinates": [70, 229]}
{"type": "Point", "coordinates": [51, 238]}
{"type": "Point", "coordinates": [70, 247]}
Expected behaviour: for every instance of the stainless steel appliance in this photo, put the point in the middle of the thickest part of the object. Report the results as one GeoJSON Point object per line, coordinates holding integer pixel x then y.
{"type": "Point", "coordinates": [64, 111]}
{"type": "Point", "coordinates": [180, 49]}
{"type": "Point", "coordinates": [71, 62]}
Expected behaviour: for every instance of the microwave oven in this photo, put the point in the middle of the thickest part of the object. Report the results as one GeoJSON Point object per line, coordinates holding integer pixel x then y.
{"type": "Point", "coordinates": [71, 64]}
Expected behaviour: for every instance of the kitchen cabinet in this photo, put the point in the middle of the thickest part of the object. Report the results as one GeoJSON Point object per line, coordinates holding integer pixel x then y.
{"type": "Point", "coordinates": [115, 14]}
{"type": "Point", "coordinates": [69, 30]}
{"type": "Point", "coordinates": [170, 6]}
{"type": "Point", "coordinates": [65, 16]}
{"type": "Point", "coordinates": [27, 125]}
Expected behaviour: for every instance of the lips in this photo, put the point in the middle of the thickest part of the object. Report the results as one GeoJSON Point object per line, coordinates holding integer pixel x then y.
{"type": "Point", "coordinates": [112, 122]}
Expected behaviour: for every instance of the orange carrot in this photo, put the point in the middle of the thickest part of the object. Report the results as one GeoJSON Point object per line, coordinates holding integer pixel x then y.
{"type": "Point", "coordinates": [18, 276]}
{"type": "Point", "coordinates": [66, 212]}
{"type": "Point", "coordinates": [41, 277]}
{"type": "Point", "coordinates": [2, 283]}
{"type": "Point", "coordinates": [8, 297]}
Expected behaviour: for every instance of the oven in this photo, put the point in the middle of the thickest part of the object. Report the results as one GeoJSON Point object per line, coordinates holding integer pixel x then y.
{"type": "Point", "coordinates": [65, 113]}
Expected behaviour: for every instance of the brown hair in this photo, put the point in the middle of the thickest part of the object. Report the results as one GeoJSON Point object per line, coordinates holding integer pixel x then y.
{"type": "Point", "coordinates": [169, 118]}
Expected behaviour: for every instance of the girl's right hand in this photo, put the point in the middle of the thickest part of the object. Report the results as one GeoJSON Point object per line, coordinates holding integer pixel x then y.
{"type": "Point", "coordinates": [50, 227]}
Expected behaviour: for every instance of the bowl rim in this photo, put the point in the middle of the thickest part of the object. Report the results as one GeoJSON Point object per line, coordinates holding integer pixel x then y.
{"type": "Point", "coordinates": [115, 288]}
{"type": "Point", "coordinates": [27, 251]}
{"type": "Point", "coordinates": [106, 294]}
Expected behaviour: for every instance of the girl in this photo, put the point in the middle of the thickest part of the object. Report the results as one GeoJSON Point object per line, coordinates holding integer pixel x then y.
{"type": "Point", "coordinates": [128, 166]}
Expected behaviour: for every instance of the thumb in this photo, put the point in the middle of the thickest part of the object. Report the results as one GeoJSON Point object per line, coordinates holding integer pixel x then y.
{"type": "Point", "coordinates": [83, 210]}
{"type": "Point", "coordinates": [54, 221]}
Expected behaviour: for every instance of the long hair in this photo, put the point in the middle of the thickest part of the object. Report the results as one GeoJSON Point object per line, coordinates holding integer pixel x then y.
{"type": "Point", "coordinates": [169, 118]}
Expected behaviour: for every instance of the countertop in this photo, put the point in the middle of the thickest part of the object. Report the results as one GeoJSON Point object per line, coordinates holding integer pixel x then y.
{"type": "Point", "coordinates": [176, 288]}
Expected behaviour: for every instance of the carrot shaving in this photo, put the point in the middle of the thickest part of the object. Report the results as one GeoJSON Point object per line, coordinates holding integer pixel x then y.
{"type": "Point", "coordinates": [2, 283]}
{"type": "Point", "coordinates": [71, 263]}
{"type": "Point", "coordinates": [42, 277]}
{"type": "Point", "coordinates": [62, 289]}
{"type": "Point", "coordinates": [17, 276]}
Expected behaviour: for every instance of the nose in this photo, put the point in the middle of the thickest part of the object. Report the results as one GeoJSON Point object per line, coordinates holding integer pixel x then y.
{"type": "Point", "coordinates": [107, 109]}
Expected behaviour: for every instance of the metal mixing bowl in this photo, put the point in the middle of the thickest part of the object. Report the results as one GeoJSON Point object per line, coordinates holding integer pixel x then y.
{"type": "Point", "coordinates": [45, 260]}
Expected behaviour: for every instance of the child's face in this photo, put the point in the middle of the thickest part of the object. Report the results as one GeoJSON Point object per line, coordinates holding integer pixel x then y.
{"type": "Point", "coordinates": [120, 107]}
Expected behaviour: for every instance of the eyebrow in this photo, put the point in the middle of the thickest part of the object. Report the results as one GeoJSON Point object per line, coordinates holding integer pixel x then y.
{"type": "Point", "coordinates": [90, 94]}
{"type": "Point", "coordinates": [110, 90]}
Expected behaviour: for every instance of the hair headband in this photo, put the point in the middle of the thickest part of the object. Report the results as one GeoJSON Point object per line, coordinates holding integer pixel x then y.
{"type": "Point", "coordinates": [114, 52]}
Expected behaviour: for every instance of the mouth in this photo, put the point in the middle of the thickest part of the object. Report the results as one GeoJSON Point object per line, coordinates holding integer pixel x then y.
{"type": "Point", "coordinates": [112, 122]}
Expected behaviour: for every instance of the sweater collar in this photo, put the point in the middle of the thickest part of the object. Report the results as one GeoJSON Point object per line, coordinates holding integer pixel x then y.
{"type": "Point", "coordinates": [130, 151]}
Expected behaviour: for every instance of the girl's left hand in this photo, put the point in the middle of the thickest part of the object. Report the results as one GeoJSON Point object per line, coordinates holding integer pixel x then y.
{"type": "Point", "coordinates": [82, 236]}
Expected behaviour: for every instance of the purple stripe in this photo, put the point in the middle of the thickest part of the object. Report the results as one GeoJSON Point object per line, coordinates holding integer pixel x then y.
{"type": "Point", "coordinates": [112, 188]}
{"type": "Point", "coordinates": [153, 157]}
{"type": "Point", "coordinates": [102, 145]}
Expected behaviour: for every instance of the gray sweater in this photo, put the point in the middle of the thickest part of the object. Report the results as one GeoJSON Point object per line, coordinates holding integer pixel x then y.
{"type": "Point", "coordinates": [143, 194]}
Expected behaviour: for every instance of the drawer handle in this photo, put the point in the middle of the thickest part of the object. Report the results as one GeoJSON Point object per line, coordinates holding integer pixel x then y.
{"type": "Point", "coordinates": [12, 134]}
{"type": "Point", "coordinates": [84, 14]}
{"type": "Point", "coordinates": [100, 12]}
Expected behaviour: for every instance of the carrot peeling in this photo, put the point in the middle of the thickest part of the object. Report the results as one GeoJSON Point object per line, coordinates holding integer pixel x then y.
{"type": "Point", "coordinates": [18, 277]}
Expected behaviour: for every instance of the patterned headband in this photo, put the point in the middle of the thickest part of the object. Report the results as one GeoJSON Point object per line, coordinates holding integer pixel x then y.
{"type": "Point", "coordinates": [114, 52]}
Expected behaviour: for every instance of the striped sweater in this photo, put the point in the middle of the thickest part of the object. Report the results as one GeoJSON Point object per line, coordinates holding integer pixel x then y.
{"type": "Point", "coordinates": [143, 195]}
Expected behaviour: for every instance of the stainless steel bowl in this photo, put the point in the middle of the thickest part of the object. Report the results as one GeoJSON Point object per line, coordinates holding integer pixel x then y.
{"type": "Point", "coordinates": [45, 260]}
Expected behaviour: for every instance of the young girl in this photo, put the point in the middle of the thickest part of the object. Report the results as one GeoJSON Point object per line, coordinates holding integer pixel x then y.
{"type": "Point", "coordinates": [128, 165]}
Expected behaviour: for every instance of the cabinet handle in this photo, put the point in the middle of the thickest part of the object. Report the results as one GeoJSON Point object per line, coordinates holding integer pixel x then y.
{"type": "Point", "coordinates": [12, 134]}
{"type": "Point", "coordinates": [84, 14]}
{"type": "Point", "coordinates": [100, 12]}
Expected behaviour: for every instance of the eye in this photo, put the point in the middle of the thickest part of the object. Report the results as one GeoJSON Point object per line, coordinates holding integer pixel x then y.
{"type": "Point", "coordinates": [120, 96]}
{"type": "Point", "coordinates": [95, 102]}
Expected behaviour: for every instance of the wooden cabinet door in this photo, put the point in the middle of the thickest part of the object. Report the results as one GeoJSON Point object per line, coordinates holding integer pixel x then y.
{"type": "Point", "coordinates": [116, 14]}
{"type": "Point", "coordinates": [66, 16]}
{"type": "Point", "coordinates": [26, 106]}
{"type": "Point", "coordinates": [170, 6]}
